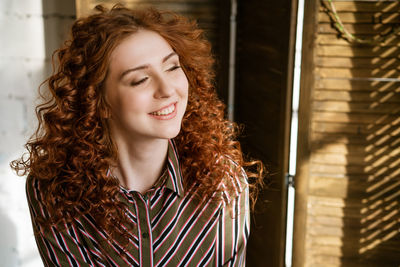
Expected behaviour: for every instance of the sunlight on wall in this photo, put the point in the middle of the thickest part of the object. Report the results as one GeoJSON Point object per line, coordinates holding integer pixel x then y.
{"type": "Point", "coordinates": [22, 61]}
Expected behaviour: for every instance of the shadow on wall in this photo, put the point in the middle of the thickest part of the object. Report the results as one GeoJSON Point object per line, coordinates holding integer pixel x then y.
{"type": "Point", "coordinates": [372, 209]}
{"type": "Point", "coordinates": [365, 99]}
{"type": "Point", "coordinates": [23, 67]}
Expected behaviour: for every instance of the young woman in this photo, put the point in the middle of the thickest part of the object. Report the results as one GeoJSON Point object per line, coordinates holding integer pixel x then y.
{"type": "Point", "coordinates": [133, 163]}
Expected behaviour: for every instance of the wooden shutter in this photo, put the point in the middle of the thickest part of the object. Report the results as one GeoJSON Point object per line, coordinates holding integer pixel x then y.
{"type": "Point", "coordinates": [348, 211]}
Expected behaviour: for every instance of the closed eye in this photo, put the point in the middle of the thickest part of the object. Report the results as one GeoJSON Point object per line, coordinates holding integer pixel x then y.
{"type": "Point", "coordinates": [174, 68]}
{"type": "Point", "coordinates": [135, 83]}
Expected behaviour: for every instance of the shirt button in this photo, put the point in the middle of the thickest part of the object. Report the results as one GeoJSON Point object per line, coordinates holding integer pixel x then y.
{"type": "Point", "coordinates": [145, 235]}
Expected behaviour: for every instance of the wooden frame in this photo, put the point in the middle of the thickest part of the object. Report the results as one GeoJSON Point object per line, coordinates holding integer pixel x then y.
{"type": "Point", "coordinates": [303, 153]}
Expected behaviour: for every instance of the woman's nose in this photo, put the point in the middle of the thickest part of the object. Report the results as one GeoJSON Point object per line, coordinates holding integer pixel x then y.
{"type": "Point", "coordinates": [163, 88]}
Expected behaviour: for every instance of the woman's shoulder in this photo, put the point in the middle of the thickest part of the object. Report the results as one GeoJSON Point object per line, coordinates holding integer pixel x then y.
{"type": "Point", "coordinates": [236, 170]}
{"type": "Point", "coordinates": [235, 178]}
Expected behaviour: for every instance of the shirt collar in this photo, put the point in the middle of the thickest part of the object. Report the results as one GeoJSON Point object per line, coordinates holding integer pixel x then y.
{"type": "Point", "coordinates": [174, 177]}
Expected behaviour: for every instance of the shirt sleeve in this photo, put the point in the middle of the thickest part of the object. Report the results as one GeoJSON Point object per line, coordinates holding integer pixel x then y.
{"type": "Point", "coordinates": [234, 228]}
{"type": "Point", "coordinates": [61, 245]}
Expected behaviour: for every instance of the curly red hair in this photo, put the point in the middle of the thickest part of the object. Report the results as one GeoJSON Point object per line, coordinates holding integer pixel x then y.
{"type": "Point", "coordinates": [72, 150]}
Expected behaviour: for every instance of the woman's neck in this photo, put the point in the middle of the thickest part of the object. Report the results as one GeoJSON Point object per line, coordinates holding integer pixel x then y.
{"type": "Point", "coordinates": [140, 164]}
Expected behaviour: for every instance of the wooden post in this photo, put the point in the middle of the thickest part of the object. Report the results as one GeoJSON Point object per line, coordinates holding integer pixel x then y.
{"type": "Point", "coordinates": [303, 154]}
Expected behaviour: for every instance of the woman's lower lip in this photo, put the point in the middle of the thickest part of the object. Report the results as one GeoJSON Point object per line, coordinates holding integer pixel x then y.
{"type": "Point", "coordinates": [166, 117]}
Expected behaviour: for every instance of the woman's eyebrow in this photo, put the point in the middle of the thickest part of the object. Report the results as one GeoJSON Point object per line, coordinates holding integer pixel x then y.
{"type": "Point", "coordinates": [169, 56]}
{"type": "Point", "coordinates": [147, 65]}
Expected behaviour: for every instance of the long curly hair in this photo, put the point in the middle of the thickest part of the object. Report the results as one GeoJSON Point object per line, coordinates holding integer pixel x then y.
{"type": "Point", "coordinates": [72, 149]}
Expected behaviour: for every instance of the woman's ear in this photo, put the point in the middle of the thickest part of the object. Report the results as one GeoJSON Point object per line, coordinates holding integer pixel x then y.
{"type": "Point", "coordinates": [105, 113]}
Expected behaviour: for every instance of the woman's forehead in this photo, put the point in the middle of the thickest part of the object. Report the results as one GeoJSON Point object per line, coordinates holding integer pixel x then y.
{"type": "Point", "coordinates": [140, 48]}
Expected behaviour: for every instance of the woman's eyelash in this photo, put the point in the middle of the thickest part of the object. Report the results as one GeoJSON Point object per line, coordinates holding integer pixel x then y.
{"type": "Point", "coordinates": [138, 82]}
{"type": "Point", "coordinates": [174, 68]}
{"type": "Point", "coordinates": [134, 83]}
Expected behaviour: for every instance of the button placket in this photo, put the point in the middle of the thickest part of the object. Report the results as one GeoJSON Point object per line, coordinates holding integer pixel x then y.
{"type": "Point", "coordinates": [145, 230]}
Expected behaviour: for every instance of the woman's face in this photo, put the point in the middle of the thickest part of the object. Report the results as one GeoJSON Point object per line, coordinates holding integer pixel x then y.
{"type": "Point", "coordinates": [146, 88]}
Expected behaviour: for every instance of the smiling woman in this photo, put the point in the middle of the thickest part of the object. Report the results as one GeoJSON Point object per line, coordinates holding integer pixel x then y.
{"type": "Point", "coordinates": [133, 162]}
{"type": "Point", "coordinates": [147, 91]}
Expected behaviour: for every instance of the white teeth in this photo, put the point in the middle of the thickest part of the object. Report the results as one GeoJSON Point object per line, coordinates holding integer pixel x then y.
{"type": "Point", "coordinates": [165, 111]}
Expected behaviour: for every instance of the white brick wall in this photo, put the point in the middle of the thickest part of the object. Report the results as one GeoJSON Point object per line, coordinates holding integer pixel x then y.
{"type": "Point", "coordinates": [30, 30]}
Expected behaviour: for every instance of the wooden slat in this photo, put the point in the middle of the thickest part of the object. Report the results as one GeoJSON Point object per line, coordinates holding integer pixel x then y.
{"type": "Point", "coordinates": [353, 6]}
{"type": "Point", "coordinates": [354, 189]}
{"type": "Point", "coordinates": [325, 211]}
{"type": "Point", "coordinates": [356, 72]}
{"type": "Point", "coordinates": [363, 149]}
{"type": "Point", "coordinates": [353, 233]}
{"type": "Point", "coordinates": [339, 170]}
{"type": "Point", "coordinates": [352, 17]}
{"type": "Point", "coordinates": [354, 97]}
{"type": "Point", "coordinates": [319, 230]}
{"type": "Point", "coordinates": [330, 147]}
{"type": "Point", "coordinates": [318, 139]}
{"type": "Point", "coordinates": [326, 249]}
{"type": "Point", "coordinates": [327, 220]}
{"type": "Point", "coordinates": [374, 63]}
{"type": "Point", "coordinates": [335, 202]}
{"type": "Point", "coordinates": [365, 108]}
{"type": "Point", "coordinates": [336, 117]}
{"type": "Point", "coordinates": [349, 128]}
{"type": "Point", "coordinates": [335, 39]}
{"type": "Point", "coordinates": [335, 253]}
{"type": "Point", "coordinates": [369, 52]}
{"type": "Point", "coordinates": [370, 29]}
{"type": "Point", "coordinates": [337, 158]}
{"type": "Point", "coordinates": [326, 261]}
{"type": "Point", "coordinates": [336, 171]}
{"type": "Point", "coordinates": [356, 85]}
{"type": "Point", "coordinates": [360, 234]}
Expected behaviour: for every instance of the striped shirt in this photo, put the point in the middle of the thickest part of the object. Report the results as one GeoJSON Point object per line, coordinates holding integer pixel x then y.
{"type": "Point", "coordinates": [170, 228]}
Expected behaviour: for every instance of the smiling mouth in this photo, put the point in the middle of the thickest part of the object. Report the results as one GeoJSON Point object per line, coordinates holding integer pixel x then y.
{"type": "Point", "coordinates": [165, 111]}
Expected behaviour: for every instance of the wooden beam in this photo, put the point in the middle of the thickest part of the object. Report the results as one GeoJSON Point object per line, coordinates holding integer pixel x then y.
{"type": "Point", "coordinates": [303, 153]}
